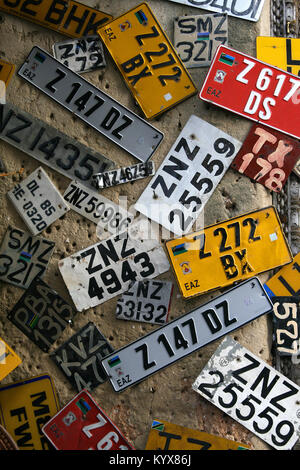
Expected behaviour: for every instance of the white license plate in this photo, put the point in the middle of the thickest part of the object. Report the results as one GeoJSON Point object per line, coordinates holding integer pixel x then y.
{"type": "Point", "coordinates": [146, 301]}
{"type": "Point", "coordinates": [50, 146]}
{"type": "Point", "coordinates": [243, 9]}
{"type": "Point", "coordinates": [188, 176]}
{"type": "Point", "coordinates": [80, 55]}
{"type": "Point", "coordinates": [196, 38]}
{"type": "Point", "coordinates": [37, 201]}
{"type": "Point", "coordinates": [23, 257]}
{"type": "Point", "coordinates": [186, 334]}
{"type": "Point", "coordinates": [124, 175]}
{"type": "Point", "coordinates": [97, 208]}
{"type": "Point", "coordinates": [90, 104]}
{"type": "Point", "coordinates": [253, 393]}
{"type": "Point", "coordinates": [106, 269]}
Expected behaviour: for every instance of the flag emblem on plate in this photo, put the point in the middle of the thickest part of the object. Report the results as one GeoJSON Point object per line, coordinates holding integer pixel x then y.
{"type": "Point", "coordinates": [202, 36]}
{"type": "Point", "coordinates": [227, 59]}
{"type": "Point", "coordinates": [25, 256]}
{"type": "Point", "coordinates": [141, 17]}
{"type": "Point", "coordinates": [40, 57]}
{"type": "Point", "coordinates": [157, 425]}
{"type": "Point", "coordinates": [114, 361]}
{"type": "Point", "coordinates": [179, 249]}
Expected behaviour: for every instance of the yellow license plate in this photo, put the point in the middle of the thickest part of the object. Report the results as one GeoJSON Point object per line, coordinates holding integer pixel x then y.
{"type": "Point", "coordinates": [9, 360]}
{"type": "Point", "coordinates": [70, 18]}
{"type": "Point", "coordinates": [230, 251]}
{"type": "Point", "coordinates": [283, 53]}
{"type": "Point", "coordinates": [6, 71]}
{"type": "Point", "coordinates": [168, 436]}
{"type": "Point", "coordinates": [147, 60]}
{"type": "Point", "coordinates": [286, 282]}
{"type": "Point", "coordinates": [25, 407]}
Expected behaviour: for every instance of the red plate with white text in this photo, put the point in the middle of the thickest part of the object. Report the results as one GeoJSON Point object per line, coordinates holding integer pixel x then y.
{"type": "Point", "coordinates": [254, 89]}
{"type": "Point", "coordinates": [83, 425]}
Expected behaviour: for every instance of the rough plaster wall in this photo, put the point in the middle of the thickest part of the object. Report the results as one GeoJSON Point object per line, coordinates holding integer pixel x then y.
{"type": "Point", "coordinates": [167, 394]}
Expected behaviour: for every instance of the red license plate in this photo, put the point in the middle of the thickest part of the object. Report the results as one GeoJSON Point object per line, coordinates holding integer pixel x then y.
{"type": "Point", "coordinates": [267, 157]}
{"type": "Point", "coordinates": [83, 425]}
{"type": "Point", "coordinates": [254, 89]}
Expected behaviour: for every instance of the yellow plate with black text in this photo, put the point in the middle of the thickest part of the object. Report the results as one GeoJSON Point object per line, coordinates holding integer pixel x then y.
{"type": "Point", "coordinates": [168, 436]}
{"type": "Point", "coordinates": [9, 360]}
{"type": "Point", "coordinates": [286, 282]}
{"type": "Point", "coordinates": [147, 60]}
{"type": "Point", "coordinates": [231, 251]}
{"type": "Point", "coordinates": [283, 53]}
{"type": "Point", "coordinates": [70, 18]}
{"type": "Point", "coordinates": [25, 407]}
{"type": "Point", "coordinates": [6, 71]}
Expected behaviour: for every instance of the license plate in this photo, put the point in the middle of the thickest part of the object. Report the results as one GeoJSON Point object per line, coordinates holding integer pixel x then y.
{"type": "Point", "coordinates": [79, 358]}
{"type": "Point", "coordinates": [106, 269]}
{"type": "Point", "coordinates": [83, 425]}
{"type": "Point", "coordinates": [124, 175]}
{"type": "Point", "coordinates": [224, 253]}
{"type": "Point", "coordinates": [147, 61]}
{"type": "Point", "coordinates": [267, 157]}
{"type": "Point", "coordinates": [25, 407]}
{"type": "Point", "coordinates": [70, 18]}
{"type": "Point", "coordinates": [9, 360]}
{"type": "Point", "coordinates": [37, 201]}
{"type": "Point", "coordinates": [188, 176]}
{"type": "Point", "coordinates": [243, 9]}
{"type": "Point", "coordinates": [97, 208]}
{"type": "Point", "coordinates": [255, 90]}
{"type": "Point", "coordinates": [6, 72]}
{"type": "Point", "coordinates": [196, 38]}
{"type": "Point", "coordinates": [253, 393]}
{"type": "Point", "coordinates": [283, 53]}
{"type": "Point", "coordinates": [81, 55]}
{"type": "Point", "coordinates": [169, 436]}
{"type": "Point", "coordinates": [41, 314]}
{"type": "Point", "coordinates": [23, 257]}
{"type": "Point", "coordinates": [146, 301]}
{"type": "Point", "coordinates": [93, 106]}
{"type": "Point", "coordinates": [286, 323]}
{"type": "Point", "coordinates": [50, 146]}
{"type": "Point", "coordinates": [286, 282]}
{"type": "Point", "coordinates": [185, 335]}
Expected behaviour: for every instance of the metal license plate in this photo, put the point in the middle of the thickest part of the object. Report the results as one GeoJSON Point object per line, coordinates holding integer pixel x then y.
{"type": "Point", "coordinates": [224, 253]}
{"type": "Point", "coordinates": [124, 175]}
{"type": "Point", "coordinates": [185, 335]}
{"type": "Point", "coordinates": [83, 425]}
{"type": "Point", "coordinates": [106, 269]}
{"type": "Point", "coordinates": [93, 106]}
{"type": "Point", "coordinates": [79, 358]}
{"type": "Point", "coordinates": [41, 314]}
{"type": "Point", "coordinates": [253, 393]}
{"type": "Point", "coordinates": [147, 61]}
{"type": "Point", "coordinates": [9, 360]}
{"type": "Point", "coordinates": [50, 146]}
{"type": "Point", "coordinates": [25, 407]}
{"type": "Point", "coordinates": [255, 90]}
{"type": "Point", "coordinates": [81, 55]}
{"type": "Point", "coordinates": [23, 257]}
{"type": "Point", "coordinates": [243, 9]}
{"type": "Point", "coordinates": [284, 53]}
{"type": "Point", "coordinates": [70, 18]}
{"type": "Point", "coordinates": [97, 208]}
{"type": "Point", "coordinates": [188, 176]}
{"type": "Point", "coordinates": [6, 72]}
{"type": "Point", "coordinates": [286, 282]}
{"type": "Point", "coordinates": [37, 201]}
{"type": "Point", "coordinates": [196, 38]}
{"type": "Point", "coordinates": [267, 157]}
{"type": "Point", "coordinates": [146, 301]}
{"type": "Point", "coordinates": [286, 323]}
{"type": "Point", "coordinates": [169, 436]}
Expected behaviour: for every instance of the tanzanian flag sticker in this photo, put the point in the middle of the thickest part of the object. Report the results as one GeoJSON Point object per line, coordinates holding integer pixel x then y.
{"type": "Point", "coordinates": [141, 17]}
{"type": "Point", "coordinates": [157, 425]}
{"type": "Point", "coordinates": [179, 249]}
{"type": "Point", "coordinates": [227, 59]}
{"type": "Point", "coordinates": [202, 36]}
{"type": "Point", "coordinates": [40, 57]}
{"type": "Point", "coordinates": [114, 361]}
